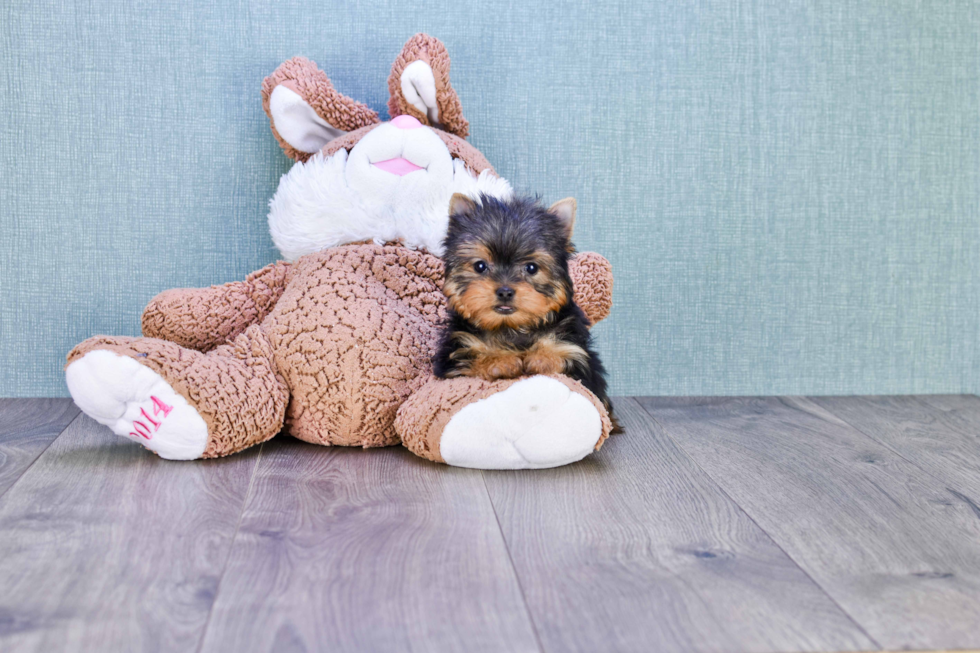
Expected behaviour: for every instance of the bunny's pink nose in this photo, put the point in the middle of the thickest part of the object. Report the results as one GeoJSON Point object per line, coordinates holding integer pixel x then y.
{"type": "Point", "coordinates": [406, 122]}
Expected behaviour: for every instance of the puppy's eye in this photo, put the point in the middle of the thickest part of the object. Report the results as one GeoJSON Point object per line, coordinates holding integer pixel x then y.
{"type": "Point", "coordinates": [480, 267]}
{"type": "Point", "coordinates": [531, 268]}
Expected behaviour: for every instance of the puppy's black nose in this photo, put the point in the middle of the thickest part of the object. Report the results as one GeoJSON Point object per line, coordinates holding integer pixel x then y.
{"type": "Point", "coordinates": [505, 293]}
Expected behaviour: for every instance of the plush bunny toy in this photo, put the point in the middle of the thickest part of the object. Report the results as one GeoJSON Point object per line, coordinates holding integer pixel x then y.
{"type": "Point", "coordinates": [335, 343]}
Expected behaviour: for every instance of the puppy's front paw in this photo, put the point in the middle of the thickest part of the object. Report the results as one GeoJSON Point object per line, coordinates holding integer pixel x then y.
{"type": "Point", "coordinates": [543, 363]}
{"type": "Point", "coordinates": [492, 368]}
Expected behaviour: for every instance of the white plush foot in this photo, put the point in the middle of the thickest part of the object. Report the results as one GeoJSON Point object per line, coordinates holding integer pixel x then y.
{"type": "Point", "coordinates": [136, 403]}
{"type": "Point", "coordinates": [533, 424]}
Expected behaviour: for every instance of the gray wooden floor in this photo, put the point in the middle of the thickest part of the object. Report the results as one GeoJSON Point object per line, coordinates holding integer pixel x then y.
{"type": "Point", "coordinates": [750, 524]}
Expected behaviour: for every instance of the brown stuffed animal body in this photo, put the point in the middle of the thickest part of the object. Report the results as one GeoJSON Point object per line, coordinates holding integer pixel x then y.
{"type": "Point", "coordinates": [336, 342]}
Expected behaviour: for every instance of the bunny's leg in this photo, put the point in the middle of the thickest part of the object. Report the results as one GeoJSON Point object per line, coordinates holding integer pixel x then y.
{"type": "Point", "coordinates": [528, 423]}
{"type": "Point", "coordinates": [180, 403]}
{"type": "Point", "coordinates": [203, 318]}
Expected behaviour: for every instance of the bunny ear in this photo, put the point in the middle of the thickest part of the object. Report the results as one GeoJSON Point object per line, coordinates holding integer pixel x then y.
{"type": "Point", "coordinates": [305, 110]}
{"type": "Point", "coordinates": [419, 86]}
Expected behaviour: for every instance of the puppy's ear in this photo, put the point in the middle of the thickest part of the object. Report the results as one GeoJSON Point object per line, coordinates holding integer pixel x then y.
{"type": "Point", "coordinates": [460, 204]}
{"type": "Point", "coordinates": [419, 86]}
{"type": "Point", "coordinates": [564, 210]}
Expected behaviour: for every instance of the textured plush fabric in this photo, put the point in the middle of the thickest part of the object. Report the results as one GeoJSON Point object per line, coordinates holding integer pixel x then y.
{"type": "Point", "coordinates": [343, 196]}
{"type": "Point", "coordinates": [235, 388]}
{"type": "Point", "coordinates": [341, 336]}
{"type": "Point", "coordinates": [458, 148]}
{"type": "Point", "coordinates": [301, 75]}
{"type": "Point", "coordinates": [344, 336]}
{"type": "Point", "coordinates": [353, 332]}
{"type": "Point", "coordinates": [473, 158]}
{"type": "Point", "coordinates": [203, 318]}
{"type": "Point", "coordinates": [592, 279]}
{"type": "Point", "coordinates": [422, 47]}
{"type": "Point", "coordinates": [788, 191]}
{"type": "Point", "coordinates": [420, 427]}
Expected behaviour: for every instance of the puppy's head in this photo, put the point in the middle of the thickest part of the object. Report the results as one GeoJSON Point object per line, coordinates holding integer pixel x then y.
{"type": "Point", "coordinates": [507, 261]}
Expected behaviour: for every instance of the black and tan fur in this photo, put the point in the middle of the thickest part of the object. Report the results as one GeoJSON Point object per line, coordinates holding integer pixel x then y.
{"type": "Point", "coordinates": [511, 305]}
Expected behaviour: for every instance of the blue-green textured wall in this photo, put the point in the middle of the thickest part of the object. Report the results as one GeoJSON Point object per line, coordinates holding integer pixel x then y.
{"type": "Point", "coordinates": [789, 191]}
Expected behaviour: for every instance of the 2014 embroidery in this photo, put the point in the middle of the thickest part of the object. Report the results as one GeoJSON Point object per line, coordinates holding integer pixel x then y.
{"type": "Point", "coordinates": [140, 429]}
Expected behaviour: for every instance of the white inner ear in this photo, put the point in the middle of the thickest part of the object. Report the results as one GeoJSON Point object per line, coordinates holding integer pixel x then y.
{"type": "Point", "coordinates": [419, 88]}
{"type": "Point", "coordinates": [297, 122]}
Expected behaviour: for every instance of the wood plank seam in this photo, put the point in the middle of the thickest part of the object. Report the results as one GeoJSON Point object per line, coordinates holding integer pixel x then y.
{"type": "Point", "coordinates": [635, 548]}
{"type": "Point", "coordinates": [336, 549]}
{"type": "Point", "coordinates": [945, 482]}
{"type": "Point", "coordinates": [133, 545]}
{"type": "Point", "coordinates": [41, 453]}
{"type": "Point", "coordinates": [882, 534]}
{"type": "Point", "coordinates": [231, 548]}
{"type": "Point", "coordinates": [758, 525]}
{"type": "Point", "coordinates": [510, 560]}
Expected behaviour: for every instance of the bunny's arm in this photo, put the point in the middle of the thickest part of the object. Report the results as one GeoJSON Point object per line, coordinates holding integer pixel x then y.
{"type": "Point", "coordinates": [203, 318]}
{"type": "Point", "coordinates": [593, 283]}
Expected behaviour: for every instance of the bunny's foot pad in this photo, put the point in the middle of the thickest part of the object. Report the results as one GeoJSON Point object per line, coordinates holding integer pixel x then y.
{"type": "Point", "coordinates": [534, 424]}
{"type": "Point", "coordinates": [136, 403]}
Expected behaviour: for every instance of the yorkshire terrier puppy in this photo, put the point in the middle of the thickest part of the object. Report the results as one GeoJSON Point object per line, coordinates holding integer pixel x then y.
{"type": "Point", "coordinates": [511, 309]}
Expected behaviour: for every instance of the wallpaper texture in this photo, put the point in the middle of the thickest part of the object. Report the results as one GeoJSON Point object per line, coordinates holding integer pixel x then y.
{"type": "Point", "coordinates": [789, 191]}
